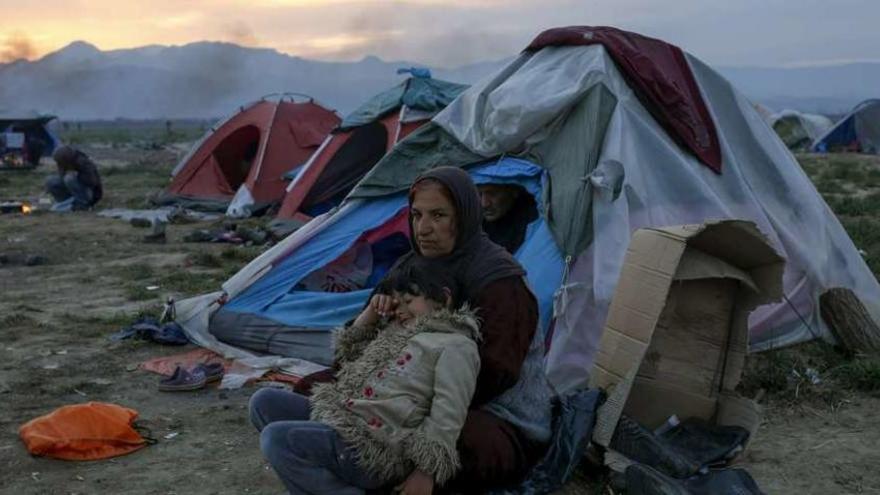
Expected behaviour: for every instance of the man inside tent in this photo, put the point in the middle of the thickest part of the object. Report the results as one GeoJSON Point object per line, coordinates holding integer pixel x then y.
{"type": "Point", "coordinates": [77, 185]}
{"type": "Point", "coordinates": [507, 212]}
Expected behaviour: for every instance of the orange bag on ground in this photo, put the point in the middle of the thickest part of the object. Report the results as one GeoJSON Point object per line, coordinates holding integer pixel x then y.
{"type": "Point", "coordinates": [83, 432]}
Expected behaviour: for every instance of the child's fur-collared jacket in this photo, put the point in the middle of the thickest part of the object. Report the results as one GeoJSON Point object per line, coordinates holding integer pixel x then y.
{"type": "Point", "coordinates": [402, 393]}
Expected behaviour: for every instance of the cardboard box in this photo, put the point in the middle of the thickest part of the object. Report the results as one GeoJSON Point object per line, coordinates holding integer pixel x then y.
{"type": "Point", "coordinates": [676, 335]}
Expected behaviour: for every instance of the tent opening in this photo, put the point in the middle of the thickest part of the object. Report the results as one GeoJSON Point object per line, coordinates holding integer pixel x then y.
{"type": "Point", "coordinates": [365, 147]}
{"type": "Point", "coordinates": [235, 155]}
{"type": "Point", "coordinates": [365, 262]}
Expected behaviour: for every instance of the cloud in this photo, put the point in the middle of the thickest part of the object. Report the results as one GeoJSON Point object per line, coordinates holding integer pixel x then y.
{"type": "Point", "coordinates": [17, 46]}
{"type": "Point", "coordinates": [455, 32]}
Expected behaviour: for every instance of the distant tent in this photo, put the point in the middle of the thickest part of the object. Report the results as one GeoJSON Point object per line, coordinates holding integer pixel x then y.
{"type": "Point", "coordinates": [238, 165]}
{"type": "Point", "coordinates": [363, 138]}
{"type": "Point", "coordinates": [24, 139]}
{"type": "Point", "coordinates": [595, 146]}
{"type": "Point", "coordinates": [859, 131]}
{"type": "Point", "coordinates": [799, 130]}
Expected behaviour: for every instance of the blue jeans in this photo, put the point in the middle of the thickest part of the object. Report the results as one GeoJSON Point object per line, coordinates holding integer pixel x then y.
{"type": "Point", "coordinates": [308, 456]}
{"type": "Point", "coordinates": [69, 187]}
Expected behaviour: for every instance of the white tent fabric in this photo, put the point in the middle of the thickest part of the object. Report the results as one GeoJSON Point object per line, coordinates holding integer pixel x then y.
{"type": "Point", "coordinates": [663, 185]}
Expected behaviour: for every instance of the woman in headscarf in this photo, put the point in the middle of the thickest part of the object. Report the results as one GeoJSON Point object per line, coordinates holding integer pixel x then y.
{"type": "Point", "coordinates": [509, 419]}
{"type": "Point", "coordinates": [508, 423]}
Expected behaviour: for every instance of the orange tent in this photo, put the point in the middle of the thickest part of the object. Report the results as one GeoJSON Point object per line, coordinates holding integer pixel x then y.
{"type": "Point", "coordinates": [239, 164]}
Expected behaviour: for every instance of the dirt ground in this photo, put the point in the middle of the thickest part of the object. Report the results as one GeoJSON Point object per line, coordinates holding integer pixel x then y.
{"type": "Point", "coordinates": [55, 319]}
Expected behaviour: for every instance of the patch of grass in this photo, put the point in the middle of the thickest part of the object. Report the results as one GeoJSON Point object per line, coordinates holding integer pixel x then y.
{"type": "Point", "coordinates": [16, 319]}
{"type": "Point", "coordinates": [865, 232]}
{"type": "Point", "coordinates": [237, 254]}
{"type": "Point", "coordinates": [868, 205]}
{"type": "Point", "coordinates": [135, 271]}
{"type": "Point", "coordinates": [844, 168]}
{"type": "Point", "coordinates": [787, 374]}
{"type": "Point", "coordinates": [860, 374]}
{"type": "Point", "coordinates": [205, 259]}
{"type": "Point", "coordinates": [829, 186]}
{"type": "Point", "coordinates": [192, 283]}
{"type": "Point", "coordinates": [137, 133]}
{"type": "Point", "coordinates": [116, 320]}
{"type": "Point", "coordinates": [139, 293]}
{"type": "Point", "coordinates": [872, 178]}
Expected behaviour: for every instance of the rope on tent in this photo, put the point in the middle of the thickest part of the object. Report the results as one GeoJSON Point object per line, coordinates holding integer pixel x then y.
{"type": "Point", "coordinates": [803, 320]}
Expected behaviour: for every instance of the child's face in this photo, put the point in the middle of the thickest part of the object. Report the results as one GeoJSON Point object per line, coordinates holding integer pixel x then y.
{"type": "Point", "coordinates": [410, 306]}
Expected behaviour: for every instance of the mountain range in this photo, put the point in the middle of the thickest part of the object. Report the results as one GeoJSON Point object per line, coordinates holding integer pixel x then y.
{"type": "Point", "coordinates": [211, 79]}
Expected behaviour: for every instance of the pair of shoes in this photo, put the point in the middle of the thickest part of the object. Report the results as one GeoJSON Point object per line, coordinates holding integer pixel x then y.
{"type": "Point", "coordinates": [183, 380]}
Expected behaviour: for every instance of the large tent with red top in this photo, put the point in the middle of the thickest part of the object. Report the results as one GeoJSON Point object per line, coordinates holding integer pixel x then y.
{"type": "Point", "coordinates": [238, 166]}
{"type": "Point", "coordinates": [353, 148]}
{"type": "Point", "coordinates": [610, 132]}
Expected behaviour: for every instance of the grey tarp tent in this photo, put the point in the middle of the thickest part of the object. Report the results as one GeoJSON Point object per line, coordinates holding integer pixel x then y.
{"type": "Point", "coordinates": [610, 168]}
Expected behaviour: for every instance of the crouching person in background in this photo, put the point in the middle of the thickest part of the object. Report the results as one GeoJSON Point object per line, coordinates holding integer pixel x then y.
{"type": "Point", "coordinates": [401, 397]}
{"type": "Point", "coordinates": [77, 185]}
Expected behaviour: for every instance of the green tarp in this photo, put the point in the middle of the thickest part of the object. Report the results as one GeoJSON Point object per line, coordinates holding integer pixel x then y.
{"type": "Point", "coordinates": [417, 93]}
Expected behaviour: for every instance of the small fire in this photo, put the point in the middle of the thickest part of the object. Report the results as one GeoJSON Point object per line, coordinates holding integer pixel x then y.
{"type": "Point", "coordinates": [26, 208]}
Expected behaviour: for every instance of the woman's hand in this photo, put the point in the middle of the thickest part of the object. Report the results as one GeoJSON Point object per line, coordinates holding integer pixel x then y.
{"type": "Point", "coordinates": [418, 483]}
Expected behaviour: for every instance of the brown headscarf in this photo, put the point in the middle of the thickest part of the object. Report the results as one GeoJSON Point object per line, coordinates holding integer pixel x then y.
{"type": "Point", "coordinates": [475, 261]}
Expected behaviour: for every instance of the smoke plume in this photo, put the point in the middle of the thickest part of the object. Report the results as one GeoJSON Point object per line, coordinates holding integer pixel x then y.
{"type": "Point", "coordinates": [17, 46]}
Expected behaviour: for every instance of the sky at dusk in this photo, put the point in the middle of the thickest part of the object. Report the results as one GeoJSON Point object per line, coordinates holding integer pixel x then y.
{"type": "Point", "coordinates": [452, 32]}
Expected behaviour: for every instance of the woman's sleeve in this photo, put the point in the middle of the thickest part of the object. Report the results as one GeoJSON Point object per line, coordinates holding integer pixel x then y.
{"type": "Point", "coordinates": [508, 314]}
{"type": "Point", "coordinates": [432, 446]}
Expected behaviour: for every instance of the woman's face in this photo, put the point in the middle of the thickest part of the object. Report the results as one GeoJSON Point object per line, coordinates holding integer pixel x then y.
{"type": "Point", "coordinates": [433, 221]}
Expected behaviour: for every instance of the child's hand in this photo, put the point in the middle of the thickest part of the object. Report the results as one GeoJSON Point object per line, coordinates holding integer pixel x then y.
{"type": "Point", "coordinates": [383, 305]}
{"type": "Point", "coordinates": [380, 305]}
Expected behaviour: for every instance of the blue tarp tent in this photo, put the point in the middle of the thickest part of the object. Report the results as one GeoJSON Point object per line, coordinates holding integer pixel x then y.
{"type": "Point", "coordinates": [279, 315]}
{"type": "Point", "coordinates": [859, 131]}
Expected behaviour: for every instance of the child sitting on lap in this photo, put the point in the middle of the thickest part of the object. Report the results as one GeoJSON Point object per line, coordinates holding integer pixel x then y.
{"type": "Point", "coordinates": [399, 402]}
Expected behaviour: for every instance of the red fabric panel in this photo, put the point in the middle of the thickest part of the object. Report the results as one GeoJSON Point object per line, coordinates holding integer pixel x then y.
{"type": "Point", "coordinates": [293, 198]}
{"type": "Point", "coordinates": [399, 224]}
{"type": "Point", "coordinates": [659, 74]}
{"type": "Point", "coordinates": [206, 181]}
{"type": "Point", "coordinates": [408, 127]}
{"type": "Point", "coordinates": [166, 365]}
{"type": "Point", "coordinates": [391, 122]}
{"type": "Point", "coordinates": [282, 150]}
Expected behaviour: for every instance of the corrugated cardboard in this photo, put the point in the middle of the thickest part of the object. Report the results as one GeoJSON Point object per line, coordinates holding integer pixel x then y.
{"type": "Point", "coordinates": [676, 335]}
